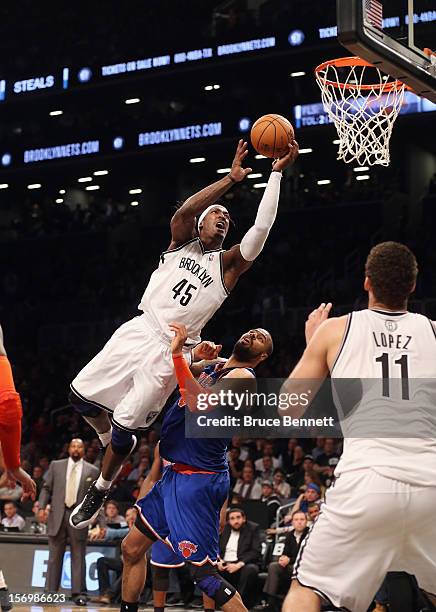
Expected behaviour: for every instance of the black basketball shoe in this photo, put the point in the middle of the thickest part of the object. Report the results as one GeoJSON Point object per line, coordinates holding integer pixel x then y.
{"type": "Point", "coordinates": [84, 514]}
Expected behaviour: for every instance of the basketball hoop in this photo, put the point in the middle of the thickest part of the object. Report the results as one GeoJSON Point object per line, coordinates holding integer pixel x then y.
{"type": "Point", "coordinates": [363, 104]}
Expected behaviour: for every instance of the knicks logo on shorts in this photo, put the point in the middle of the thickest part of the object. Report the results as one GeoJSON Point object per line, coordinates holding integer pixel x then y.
{"type": "Point", "coordinates": [187, 548]}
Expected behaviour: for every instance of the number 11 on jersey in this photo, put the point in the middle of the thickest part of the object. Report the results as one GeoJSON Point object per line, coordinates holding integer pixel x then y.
{"type": "Point", "coordinates": [404, 365]}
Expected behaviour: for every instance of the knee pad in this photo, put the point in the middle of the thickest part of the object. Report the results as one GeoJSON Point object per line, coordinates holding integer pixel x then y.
{"type": "Point", "coordinates": [209, 581]}
{"type": "Point", "coordinates": [121, 440]}
{"type": "Point", "coordinates": [82, 407]}
{"type": "Point", "coordinates": [160, 578]}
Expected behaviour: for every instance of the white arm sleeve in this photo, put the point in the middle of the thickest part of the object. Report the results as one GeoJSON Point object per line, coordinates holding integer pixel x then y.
{"type": "Point", "coordinates": [253, 241]}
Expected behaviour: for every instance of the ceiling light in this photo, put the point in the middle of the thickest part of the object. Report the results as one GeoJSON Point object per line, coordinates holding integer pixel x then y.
{"type": "Point", "coordinates": [34, 186]}
{"type": "Point", "coordinates": [132, 100]}
{"type": "Point", "coordinates": [62, 191]}
{"type": "Point", "coordinates": [361, 169]}
{"type": "Point", "coordinates": [223, 170]}
{"type": "Point", "coordinates": [217, 86]}
{"type": "Point", "coordinates": [197, 160]}
{"type": "Point", "coordinates": [55, 113]}
{"type": "Point", "coordinates": [254, 175]}
{"type": "Point", "coordinates": [4, 185]}
{"type": "Point", "coordinates": [324, 182]}
{"type": "Point", "coordinates": [362, 177]}
{"type": "Point", "coordinates": [259, 156]}
{"type": "Point", "coordinates": [297, 74]}
{"type": "Point", "coordinates": [133, 191]}
{"type": "Point", "coordinates": [337, 141]}
{"type": "Point", "coordinates": [92, 187]}
{"type": "Point", "coordinates": [208, 88]}
{"type": "Point", "coordinates": [306, 151]}
{"type": "Point", "coordinates": [59, 201]}
{"type": "Point", "coordinates": [259, 185]}
{"type": "Point", "coordinates": [134, 203]}
{"type": "Point", "coordinates": [100, 172]}
{"type": "Point", "coordinates": [84, 179]}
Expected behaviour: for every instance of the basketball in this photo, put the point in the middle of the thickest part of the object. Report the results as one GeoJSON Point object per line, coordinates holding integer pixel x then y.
{"type": "Point", "coordinates": [271, 134]}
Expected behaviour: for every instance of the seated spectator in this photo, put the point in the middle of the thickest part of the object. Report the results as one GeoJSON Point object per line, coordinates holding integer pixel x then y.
{"type": "Point", "coordinates": [244, 449]}
{"type": "Point", "coordinates": [311, 495]}
{"type": "Point", "coordinates": [287, 457]}
{"type": "Point", "coordinates": [281, 488]}
{"type": "Point", "coordinates": [112, 514]}
{"type": "Point", "coordinates": [280, 572]}
{"type": "Point", "coordinates": [110, 592]}
{"type": "Point", "coordinates": [235, 464]}
{"type": "Point", "coordinates": [240, 554]}
{"type": "Point", "coordinates": [271, 500]}
{"type": "Point", "coordinates": [141, 470]}
{"type": "Point", "coordinates": [12, 518]}
{"type": "Point", "coordinates": [44, 462]}
{"type": "Point", "coordinates": [235, 500]}
{"type": "Point", "coordinates": [318, 449]}
{"type": "Point", "coordinates": [247, 487]}
{"type": "Point", "coordinates": [137, 487]}
{"type": "Point", "coordinates": [267, 471]}
{"type": "Point", "coordinates": [297, 462]}
{"type": "Point", "coordinates": [313, 510]}
{"type": "Point", "coordinates": [268, 451]}
{"type": "Point", "coordinates": [91, 455]}
{"type": "Point", "coordinates": [311, 477]}
{"type": "Point", "coordinates": [322, 462]}
{"type": "Point", "coordinates": [37, 474]}
{"type": "Point", "coordinates": [39, 523]}
{"type": "Point", "coordinates": [298, 479]}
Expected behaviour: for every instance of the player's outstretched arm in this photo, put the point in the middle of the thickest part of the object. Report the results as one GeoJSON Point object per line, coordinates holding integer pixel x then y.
{"type": "Point", "coordinates": [314, 365]}
{"type": "Point", "coordinates": [189, 387]}
{"type": "Point", "coordinates": [240, 257]}
{"type": "Point", "coordinates": [10, 425]}
{"type": "Point", "coordinates": [183, 221]}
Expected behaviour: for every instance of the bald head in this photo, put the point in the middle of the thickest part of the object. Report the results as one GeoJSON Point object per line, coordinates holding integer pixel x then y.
{"type": "Point", "coordinates": [76, 449]}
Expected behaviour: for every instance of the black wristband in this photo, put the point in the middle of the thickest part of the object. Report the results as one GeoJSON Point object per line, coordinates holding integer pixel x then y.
{"type": "Point", "coordinates": [231, 178]}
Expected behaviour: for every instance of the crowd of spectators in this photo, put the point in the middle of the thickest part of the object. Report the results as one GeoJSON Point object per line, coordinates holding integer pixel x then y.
{"type": "Point", "coordinates": [281, 476]}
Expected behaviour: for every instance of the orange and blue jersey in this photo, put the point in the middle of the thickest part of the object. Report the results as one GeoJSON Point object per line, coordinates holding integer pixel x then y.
{"type": "Point", "coordinates": [202, 453]}
{"type": "Point", "coordinates": [183, 508]}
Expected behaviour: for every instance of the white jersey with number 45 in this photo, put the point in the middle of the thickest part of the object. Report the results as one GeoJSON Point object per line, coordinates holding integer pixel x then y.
{"type": "Point", "coordinates": [187, 287]}
{"type": "Point", "coordinates": [390, 359]}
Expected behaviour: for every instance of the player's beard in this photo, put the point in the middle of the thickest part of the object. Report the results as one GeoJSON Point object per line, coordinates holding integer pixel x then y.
{"type": "Point", "coordinates": [242, 352]}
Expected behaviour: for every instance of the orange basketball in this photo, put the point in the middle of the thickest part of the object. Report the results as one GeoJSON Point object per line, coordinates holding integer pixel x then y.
{"type": "Point", "coordinates": [271, 134]}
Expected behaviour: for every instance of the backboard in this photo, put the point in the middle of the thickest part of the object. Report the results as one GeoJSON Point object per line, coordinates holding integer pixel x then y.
{"type": "Point", "coordinates": [396, 36]}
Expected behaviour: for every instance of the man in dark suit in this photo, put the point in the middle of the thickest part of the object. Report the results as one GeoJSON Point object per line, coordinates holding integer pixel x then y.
{"type": "Point", "coordinates": [240, 553]}
{"type": "Point", "coordinates": [65, 486]}
{"type": "Point", "coordinates": [280, 572]}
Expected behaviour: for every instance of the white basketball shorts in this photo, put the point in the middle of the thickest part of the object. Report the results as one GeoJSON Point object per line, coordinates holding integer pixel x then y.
{"type": "Point", "coordinates": [369, 525]}
{"type": "Point", "coordinates": [132, 376]}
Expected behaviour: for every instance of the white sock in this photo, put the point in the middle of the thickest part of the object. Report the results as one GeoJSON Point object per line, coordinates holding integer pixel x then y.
{"type": "Point", "coordinates": [105, 437]}
{"type": "Point", "coordinates": [3, 584]}
{"type": "Point", "coordinates": [102, 484]}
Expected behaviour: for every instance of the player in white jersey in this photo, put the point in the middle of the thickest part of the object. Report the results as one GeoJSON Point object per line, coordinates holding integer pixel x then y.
{"type": "Point", "coordinates": [133, 375]}
{"type": "Point", "coordinates": [377, 517]}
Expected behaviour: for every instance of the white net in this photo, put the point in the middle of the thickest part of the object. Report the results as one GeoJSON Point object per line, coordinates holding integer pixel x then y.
{"type": "Point", "coordinates": [364, 114]}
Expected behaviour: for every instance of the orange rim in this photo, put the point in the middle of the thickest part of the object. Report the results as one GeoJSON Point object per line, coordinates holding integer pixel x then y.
{"type": "Point", "coordinates": [342, 62]}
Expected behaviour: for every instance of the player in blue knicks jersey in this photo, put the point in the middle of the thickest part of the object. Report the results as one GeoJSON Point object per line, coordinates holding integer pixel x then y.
{"type": "Point", "coordinates": [163, 557]}
{"type": "Point", "coordinates": [184, 508]}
